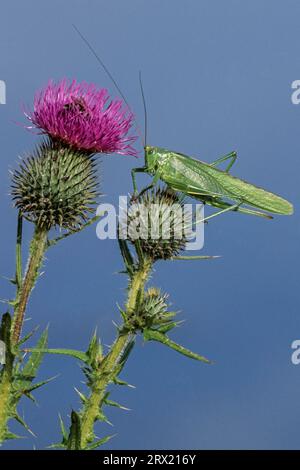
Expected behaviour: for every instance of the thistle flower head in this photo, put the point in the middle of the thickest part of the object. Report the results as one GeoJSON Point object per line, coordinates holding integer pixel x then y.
{"type": "Point", "coordinates": [158, 222]}
{"type": "Point", "coordinates": [83, 117]}
{"type": "Point", "coordinates": [55, 187]}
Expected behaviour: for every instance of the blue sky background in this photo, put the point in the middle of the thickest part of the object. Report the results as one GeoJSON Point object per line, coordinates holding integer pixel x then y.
{"type": "Point", "coordinates": [217, 77]}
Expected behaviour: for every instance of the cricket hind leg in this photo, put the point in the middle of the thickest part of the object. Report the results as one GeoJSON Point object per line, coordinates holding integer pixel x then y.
{"type": "Point", "coordinates": [232, 156]}
{"type": "Point", "coordinates": [219, 203]}
{"type": "Point", "coordinates": [231, 207]}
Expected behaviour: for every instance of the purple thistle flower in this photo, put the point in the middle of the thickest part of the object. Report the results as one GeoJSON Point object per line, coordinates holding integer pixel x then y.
{"type": "Point", "coordinates": [84, 117]}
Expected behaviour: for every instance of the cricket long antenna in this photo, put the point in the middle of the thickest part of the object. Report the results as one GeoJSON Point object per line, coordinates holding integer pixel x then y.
{"type": "Point", "coordinates": [145, 107]}
{"type": "Point", "coordinates": [111, 77]}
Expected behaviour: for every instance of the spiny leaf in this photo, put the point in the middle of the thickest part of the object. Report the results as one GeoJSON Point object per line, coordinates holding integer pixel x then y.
{"type": "Point", "coordinates": [101, 417]}
{"type": "Point", "coordinates": [167, 327]}
{"type": "Point", "coordinates": [123, 313]}
{"type": "Point", "coordinates": [114, 403]}
{"type": "Point", "coordinates": [38, 385]}
{"type": "Point", "coordinates": [63, 429]}
{"type": "Point", "coordinates": [81, 355]}
{"type": "Point", "coordinates": [118, 381]}
{"type": "Point", "coordinates": [24, 424]}
{"type": "Point", "coordinates": [125, 353]}
{"type": "Point", "coordinates": [59, 445]}
{"type": "Point", "coordinates": [127, 257]}
{"type": "Point", "coordinates": [35, 359]}
{"type": "Point", "coordinates": [10, 435]}
{"type": "Point", "coordinates": [27, 337]}
{"type": "Point", "coordinates": [155, 335]}
{"type": "Point", "coordinates": [30, 396]}
{"type": "Point", "coordinates": [82, 397]}
{"type": "Point", "coordinates": [100, 442]}
{"type": "Point", "coordinates": [54, 241]}
{"type": "Point", "coordinates": [94, 351]}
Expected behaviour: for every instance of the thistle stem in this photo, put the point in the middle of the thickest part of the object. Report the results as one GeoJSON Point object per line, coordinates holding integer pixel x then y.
{"type": "Point", "coordinates": [109, 364]}
{"type": "Point", "coordinates": [37, 251]}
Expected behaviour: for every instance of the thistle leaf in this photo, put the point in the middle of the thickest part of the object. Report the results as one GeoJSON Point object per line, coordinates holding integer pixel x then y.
{"type": "Point", "coordinates": [167, 327]}
{"type": "Point", "coordinates": [94, 351]}
{"type": "Point", "coordinates": [59, 445]}
{"type": "Point", "coordinates": [10, 435]}
{"type": "Point", "coordinates": [118, 381]}
{"type": "Point", "coordinates": [54, 241]}
{"type": "Point", "coordinates": [126, 353]}
{"type": "Point", "coordinates": [155, 335]}
{"type": "Point", "coordinates": [115, 404]}
{"type": "Point", "coordinates": [24, 424]}
{"type": "Point", "coordinates": [100, 442]}
{"type": "Point", "coordinates": [82, 397]}
{"type": "Point", "coordinates": [35, 359]}
{"type": "Point", "coordinates": [38, 385]}
{"type": "Point", "coordinates": [127, 257]}
{"type": "Point", "coordinates": [63, 430]}
{"type": "Point", "coordinates": [101, 417]}
{"type": "Point", "coordinates": [81, 355]}
{"type": "Point", "coordinates": [27, 337]}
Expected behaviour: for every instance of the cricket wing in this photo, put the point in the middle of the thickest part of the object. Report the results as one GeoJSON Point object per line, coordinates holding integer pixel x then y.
{"type": "Point", "coordinates": [201, 178]}
{"type": "Point", "coordinates": [250, 194]}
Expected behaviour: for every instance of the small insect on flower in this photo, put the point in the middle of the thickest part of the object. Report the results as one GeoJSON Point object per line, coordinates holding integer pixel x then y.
{"type": "Point", "coordinates": [84, 117]}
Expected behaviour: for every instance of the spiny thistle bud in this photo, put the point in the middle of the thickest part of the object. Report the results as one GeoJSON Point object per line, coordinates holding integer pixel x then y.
{"type": "Point", "coordinates": [158, 222]}
{"type": "Point", "coordinates": [152, 312]}
{"type": "Point", "coordinates": [57, 186]}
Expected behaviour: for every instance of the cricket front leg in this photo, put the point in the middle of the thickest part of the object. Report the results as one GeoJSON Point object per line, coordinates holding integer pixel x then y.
{"type": "Point", "coordinates": [133, 177]}
{"type": "Point", "coordinates": [151, 185]}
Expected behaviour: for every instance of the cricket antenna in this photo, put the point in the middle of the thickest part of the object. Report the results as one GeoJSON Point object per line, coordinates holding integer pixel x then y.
{"type": "Point", "coordinates": [145, 108]}
{"type": "Point", "coordinates": [110, 76]}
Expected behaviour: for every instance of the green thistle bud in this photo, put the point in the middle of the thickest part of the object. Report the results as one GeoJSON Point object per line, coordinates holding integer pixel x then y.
{"type": "Point", "coordinates": [57, 186]}
{"type": "Point", "coordinates": [152, 311]}
{"type": "Point", "coordinates": [154, 305]}
{"type": "Point", "coordinates": [157, 222]}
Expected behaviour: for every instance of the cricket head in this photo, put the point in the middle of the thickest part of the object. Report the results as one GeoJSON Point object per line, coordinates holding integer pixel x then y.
{"type": "Point", "coordinates": [151, 157]}
{"type": "Point", "coordinates": [154, 157]}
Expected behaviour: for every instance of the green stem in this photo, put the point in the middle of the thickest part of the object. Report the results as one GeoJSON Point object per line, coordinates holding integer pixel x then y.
{"type": "Point", "coordinates": [109, 364]}
{"type": "Point", "coordinates": [19, 252]}
{"type": "Point", "coordinates": [37, 251]}
{"type": "Point", "coordinates": [24, 288]}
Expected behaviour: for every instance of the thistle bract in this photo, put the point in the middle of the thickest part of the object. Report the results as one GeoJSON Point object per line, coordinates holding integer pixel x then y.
{"type": "Point", "coordinates": [158, 222]}
{"type": "Point", "coordinates": [84, 117]}
{"type": "Point", "coordinates": [55, 187]}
